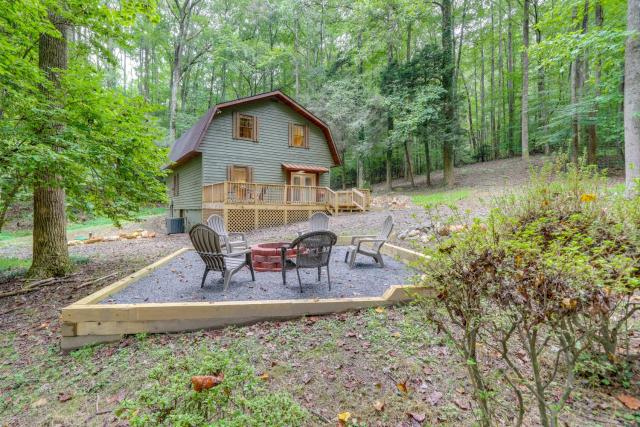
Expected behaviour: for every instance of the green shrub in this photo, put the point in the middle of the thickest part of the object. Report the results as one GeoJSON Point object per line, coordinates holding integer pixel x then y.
{"type": "Point", "coordinates": [242, 399]}
{"type": "Point", "coordinates": [545, 279]}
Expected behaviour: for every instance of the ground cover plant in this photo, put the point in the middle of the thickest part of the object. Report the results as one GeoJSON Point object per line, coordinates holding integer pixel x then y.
{"type": "Point", "coordinates": [545, 284]}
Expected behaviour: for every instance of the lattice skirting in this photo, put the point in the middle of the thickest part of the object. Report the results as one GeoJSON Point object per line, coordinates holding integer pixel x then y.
{"type": "Point", "coordinates": [206, 213]}
{"type": "Point", "coordinates": [241, 220]}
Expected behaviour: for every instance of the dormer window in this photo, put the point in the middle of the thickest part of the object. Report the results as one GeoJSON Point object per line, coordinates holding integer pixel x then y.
{"type": "Point", "coordinates": [245, 126]}
{"type": "Point", "coordinates": [298, 135]}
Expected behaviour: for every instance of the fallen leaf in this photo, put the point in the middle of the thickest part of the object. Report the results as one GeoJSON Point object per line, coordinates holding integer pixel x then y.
{"type": "Point", "coordinates": [402, 387]}
{"type": "Point", "coordinates": [379, 406]}
{"type": "Point", "coordinates": [205, 382]}
{"type": "Point", "coordinates": [264, 376]}
{"type": "Point", "coordinates": [434, 397]}
{"type": "Point", "coordinates": [380, 310]}
{"type": "Point", "coordinates": [419, 417]}
{"type": "Point", "coordinates": [629, 401]}
{"type": "Point", "coordinates": [343, 417]}
{"type": "Point", "coordinates": [63, 397]}
{"type": "Point", "coordinates": [462, 404]}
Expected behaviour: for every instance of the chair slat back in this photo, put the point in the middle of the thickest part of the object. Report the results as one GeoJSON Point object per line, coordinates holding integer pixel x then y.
{"type": "Point", "coordinates": [319, 221]}
{"type": "Point", "coordinates": [385, 232]}
{"type": "Point", "coordinates": [207, 244]}
{"type": "Point", "coordinates": [314, 248]}
{"type": "Point", "coordinates": [216, 223]}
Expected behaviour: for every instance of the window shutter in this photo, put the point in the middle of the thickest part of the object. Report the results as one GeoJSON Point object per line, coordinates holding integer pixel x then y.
{"type": "Point", "coordinates": [290, 134]}
{"type": "Point", "coordinates": [229, 172]}
{"type": "Point", "coordinates": [236, 125]}
{"type": "Point", "coordinates": [255, 128]}
{"type": "Point", "coordinates": [306, 136]}
{"type": "Point", "coordinates": [250, 174]}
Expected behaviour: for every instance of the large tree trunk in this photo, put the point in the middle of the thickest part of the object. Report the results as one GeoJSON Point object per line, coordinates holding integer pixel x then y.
{"type": "Point", "coordinates": [632, 100]}
{"type": "Point", "coordinates": [542, 105]}
{"type": "Point", "coordinates": [50, 252]}
{"type": "Point", "coordinates": [448, 85]}
{"type": "Point", "coordinates": [524, 140]}
{"type": "Point", "coordinates": [511, 96]}
{"type": "Point", "coordinates": [427, 156]}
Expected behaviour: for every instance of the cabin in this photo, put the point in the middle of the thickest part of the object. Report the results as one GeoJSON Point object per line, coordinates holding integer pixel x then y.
{"type": "Point", "coordinates": [259, 161]}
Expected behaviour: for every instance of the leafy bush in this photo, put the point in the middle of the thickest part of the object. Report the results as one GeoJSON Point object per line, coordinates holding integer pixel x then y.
{"type": "Point", "coordinates": [546, 279]}
{"type": "Point", "coordinates": [242, 399]}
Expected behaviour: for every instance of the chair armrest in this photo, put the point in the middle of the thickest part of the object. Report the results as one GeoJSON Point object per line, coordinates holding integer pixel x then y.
{"type": "Point", "coordinates": [242, 236]}
{"type": "Point", "coordinates": [239, 253]}
{"type": "Point", "coordinates": [368, 240]}
{"type": "Point", "coordinates": [354, 239]}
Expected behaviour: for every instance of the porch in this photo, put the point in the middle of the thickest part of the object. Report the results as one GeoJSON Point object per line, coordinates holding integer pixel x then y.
{"type": "Point", "coordinates": [248, 206]}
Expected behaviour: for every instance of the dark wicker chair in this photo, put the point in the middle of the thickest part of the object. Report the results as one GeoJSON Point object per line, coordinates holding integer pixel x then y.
{"type": "Point", "coordinates": [313, 250]}
{"type": "Point", "coordinates": [207, 244]}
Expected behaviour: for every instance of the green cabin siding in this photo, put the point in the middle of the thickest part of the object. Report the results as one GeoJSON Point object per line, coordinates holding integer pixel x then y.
{"type": "Point", "coordinates": [266, 156]}
{"type": "Point", "coordinates": [190, 185]}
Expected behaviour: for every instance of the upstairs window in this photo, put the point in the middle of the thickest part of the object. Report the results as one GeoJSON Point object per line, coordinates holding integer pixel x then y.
{"type": "Point", "coordinates": [298, 135]}
{"type": "Point", "coordinates": [245, 126]}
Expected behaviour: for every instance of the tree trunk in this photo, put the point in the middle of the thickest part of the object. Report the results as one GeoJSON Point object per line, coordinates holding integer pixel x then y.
{"type": "Point", "coordinates": [448, 86]}
{"type": "Point", "coordinates": [50, 252]}
{"type": "Point", "coordinates": [592, 140]}
{"type": "Point", "coordinates": [542, 109]}
{"type": "Point", "coordinates": [174, 82]}
{"type": "Point", "coordinates": [511, 97]}
{"type": "Point", "coordinates": [576, 67]}
{"type": "Point", "coordinates": [409, 166]}
{"type": "Point", "coordinates": [427, 155]}
{"type": "Point", "coordinates": [525, 82]}
{"type": "Point", "coordinates": [632, 100]}
{"type": "Point", "coordinates": [492, 113]}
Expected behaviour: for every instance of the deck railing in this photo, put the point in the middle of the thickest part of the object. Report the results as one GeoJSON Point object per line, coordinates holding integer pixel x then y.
{"type": "Point", "coordinates": [229, 192]}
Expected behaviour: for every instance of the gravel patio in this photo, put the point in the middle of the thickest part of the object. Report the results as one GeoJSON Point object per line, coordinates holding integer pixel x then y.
{"type": "Point", "coordinates": [179, 281]}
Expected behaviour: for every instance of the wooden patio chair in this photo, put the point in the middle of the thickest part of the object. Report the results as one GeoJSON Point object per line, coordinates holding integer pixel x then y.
{"type": "Point", "coordinates": [207, 244]}
{"type": "Point", "coordinates": [313, 250]}
{"type": "Point", "coordinates": [373, 244]}
{"type": "Point", "coordinates": [216, 223]}
{"type": "Point", "coordinates": [319, 221]}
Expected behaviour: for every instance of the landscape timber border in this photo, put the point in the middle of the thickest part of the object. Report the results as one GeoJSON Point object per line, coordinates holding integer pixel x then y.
{"type": "Point", "coordinates": [88, 322]}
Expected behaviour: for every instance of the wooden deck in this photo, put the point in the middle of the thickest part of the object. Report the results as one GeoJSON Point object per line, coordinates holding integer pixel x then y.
{"type": "Point", "coordinates": [248, 206]}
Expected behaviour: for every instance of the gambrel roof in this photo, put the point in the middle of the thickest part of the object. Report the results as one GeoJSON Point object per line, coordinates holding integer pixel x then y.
{"type": "Point", "coordinates": [187, 145]}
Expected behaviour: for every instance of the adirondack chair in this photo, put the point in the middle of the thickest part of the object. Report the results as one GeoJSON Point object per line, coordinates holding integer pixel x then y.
{"type": "Point", "coordinates": [216, 223]}
{"type": "Point", "coordinates": [207, 244]}
{"type": "Point", "coordinates": [313, 250]}
{"type": "Point", "coordinates": [372, 244]}
{"type": "Point", "coordinates": [319, 221]}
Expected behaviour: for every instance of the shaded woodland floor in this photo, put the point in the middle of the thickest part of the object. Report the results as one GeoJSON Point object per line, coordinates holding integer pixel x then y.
{"type": "Point", "coordinates": [330, 364]}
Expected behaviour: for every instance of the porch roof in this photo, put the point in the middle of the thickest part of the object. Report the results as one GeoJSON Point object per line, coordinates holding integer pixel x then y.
{"type": "Point", "coordinates": [305, 168]}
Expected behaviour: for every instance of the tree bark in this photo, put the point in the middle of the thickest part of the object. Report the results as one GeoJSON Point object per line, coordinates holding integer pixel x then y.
{"type": "Point", "coordinates": [50, 251]}
{"type": "Point", "coordinates": [492, 113]}
{"type": "Point", "coordinates": [427, 155]}
{"type": "Point", "coordinates": [407, 155]}
{"type": "Point", "coordinates": [632, 100]}
{"type": "Point", "coordinates": [448, 85]}
{"type": "Point", "coordinates": [525, 82]}
{"type": "Point", "coordinates": [511, 97]}
{"type": "Point", "coordinates": [592, 140]}
{"type": "Point", "coordinates": [542, 109]}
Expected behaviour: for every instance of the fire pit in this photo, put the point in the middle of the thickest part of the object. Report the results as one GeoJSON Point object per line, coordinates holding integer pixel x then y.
{"type": "Point", "coordinates": [266, 256]}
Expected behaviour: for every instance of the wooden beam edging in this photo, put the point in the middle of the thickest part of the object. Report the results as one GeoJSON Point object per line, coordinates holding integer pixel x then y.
{"type": "Point", "coordinates": [87, 322]}
{"type": "Point", "coordinates": [126, 281]}
{"type": "Point", "coordinates": [113, 319]}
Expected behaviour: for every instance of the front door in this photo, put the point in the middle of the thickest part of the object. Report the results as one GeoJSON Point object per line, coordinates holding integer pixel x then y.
{"type": "Point", "coordinates": [302, 190]}
{"type": "Point", "coordinates": [239, 190]}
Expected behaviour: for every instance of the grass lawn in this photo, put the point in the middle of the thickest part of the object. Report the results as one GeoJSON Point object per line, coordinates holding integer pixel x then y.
{"type": "Point", "coordinates": [441, 198]}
